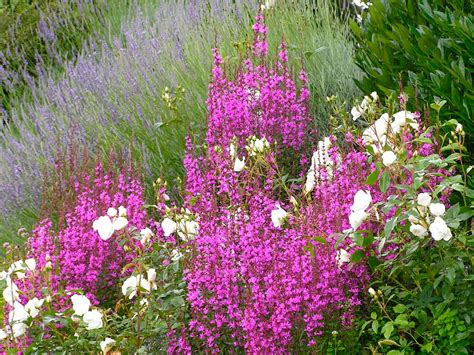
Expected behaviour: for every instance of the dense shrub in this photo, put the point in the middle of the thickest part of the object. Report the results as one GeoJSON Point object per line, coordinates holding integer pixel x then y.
{"type": "Point", "coordinates": [428, 46]}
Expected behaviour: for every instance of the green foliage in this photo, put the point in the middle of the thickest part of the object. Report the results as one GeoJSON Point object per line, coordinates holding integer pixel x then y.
{"type": "Point", "coordinates": [421, 291]}
{"type": "Point", "coordinates": [428, 45]}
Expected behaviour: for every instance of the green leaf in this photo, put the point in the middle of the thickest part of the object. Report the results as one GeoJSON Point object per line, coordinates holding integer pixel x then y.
{"type": "Point", "coordinates": [375, 326]}
{"type": "Point", "coordinates": [384, 182]}
{"type": "Point", "coordinates": [387, 330]}
{"type": "Point", "coordinates": [399, 308]}
{"type": "Point", "coordinates": [372, 178]}
{"type": "Point", "coordinates": [388, 342]}
{"type": "Point", "coordinates": [357, 256]}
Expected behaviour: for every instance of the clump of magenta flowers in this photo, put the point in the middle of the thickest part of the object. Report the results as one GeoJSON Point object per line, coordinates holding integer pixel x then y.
{"type": "Point", "coordinates": [251, 280]}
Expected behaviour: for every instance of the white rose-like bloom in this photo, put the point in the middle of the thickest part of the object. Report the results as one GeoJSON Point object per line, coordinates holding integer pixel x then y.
{"type": "Point", "coordinates": [112, 212]}
{"type": "Point", "coordinates": [93, 319]}
{"type": "Point", "coordinates": [437, 209]}
{"type": "Point", "coordinates": [122, 211]}
{"type": "Point", "coordinates": [401, 119]}
{"type": "Point", "coordinates": [424, 199]}
{"type": "Point", "coordinates": [239, 164]}
{"type": "Point", "coordinates": [103, 225]}
{"type": "Point", "coordinates": [362, 200]}
{"type": "Point", "coordinates": [232, 150]}
{"type": "Point", "coordinates": [310, 181]}
{"type": "Point", "coordinates": [33, 306]}
{"type": "Point", "coordinates": [119, 223]}
{"type": "Point", "coordinates": [279, 215]}
{"type": "Point", "coordinates": [418, 230]}
{"type": "Point", "coordinates": [356, 218]}
{"type": "Point", "coordinates": [169, 226]}
{"type": "Point", "coordinates": [440, 230]}
{"type": "Point", "coordinates": [80, 304]}
{"type": "Point", "coordinates": [378, 130]}
{"type": "Point", "coordinates": [176, 255]}
{"type": "Point", "coordinates": [146, 235]}
{"type": "Point", "coordinates": [356, 112]}
{"type": "Point", "coordinates": [107, 345]}
{"type": "Point", "coordinates": [10, 293]}
{"type": "Point", "coordinates": [129, 287]}
{"type": "Point", "coordinates": [151, 275]}
{"type": "Point", "coordinates": [187, 230]}
{"type": "Point", "coordinates": [3, 335]}
{"type": "Point", "coordinates": [388, 158]}
{"type": "Point", "coordinates": [259, 145]}
{"type": "Point", "coordinates": [19, 329]}
{"type": "Point", "coordinates": [342, 257]}
{"type": "Point", "coordinates": [31, 264]}
{"type": "Point", "coordinates": [18, 313]}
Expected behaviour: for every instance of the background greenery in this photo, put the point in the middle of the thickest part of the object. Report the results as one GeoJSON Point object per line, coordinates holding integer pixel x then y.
{"type": "Point", "coordinates": [428, 46]}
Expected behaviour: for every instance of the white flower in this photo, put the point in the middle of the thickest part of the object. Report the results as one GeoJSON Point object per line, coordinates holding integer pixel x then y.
{"type": "Point", "coordinates": [342, 257]}
{"type": "Point", "coordinates": [112, 212]}
{"type": "Point", "coordinates": [17, 268]}
{"type": "Point", "coordinates": [131, 285]}
{"type": "Point", "coordinates": [93, 319]}
{"type": "Point", "coordinates": [356, 112]}
{"type": "Point", "coordinates": [372, 292]}
{"type": "Point", "coordinates": [103, 225]}
{"type": "Point", "coordinates": [10, 293]}
{"type": "Point", "coordinates": [310, 182]}
{"type": "Point", "coordinates": [151, 275]}
{"type": "Point", "coordinates": [31, 264]}
{"type": "Point", "coordinates": [356, 218]}
{"type": "Point", "coordinates": [440, 230]}
{"type": "Point", "coordinates": [80, 304]}
{"type": "Point", "coordinates": [18, 313]}
{"type": "Point", "coordinates": [169, 226]}
{"type": "Point", "coordinates": [146, 235]}
{"type": "Point", "coordinates": [33, 305]}
{"type": "Point", "coordinates": [362, 200]}
{"type": "Point", "coordinates": [239, 164]}
{"type": "Point", "coordinates": [413, 219]}
{"type": "Point", "coordinates": [424, 199]}
{"type": "Point", "coordinates": [187, 230]}
{"type": "Point", "coordinates": [279, 216]}
{"type": "Point", "coordinates": [119, 223]}
{"type": "Point", "coordinates": [378, 131]}
{"type": "Point", "coordinates": [176, 255]}
{"type": "Point", "coordinates": [459, 128]}
{"type": "Point", "coordinates": [401, 119]}
{"type": "Point", "coordinates": [19, 329]}
{"type": "Point", "coordinates": [3, 335]}
{"type": "Point", "coordinates": [233, 150]}
{"type": "Point", "coordinates": [107, 345]}
{"type": "Point", "coordinates": [418, 230]}
{"type": "Point", "coordinates": [437, 209]}
{"type": "Point", "coordinates": [259, 145]}
{"type": "Point", "coordinates": [3, 275]}
{"type": "Point", "coordinates": [388, 158]}
{"type": "Point", "coordinates": [374, 95]}
{"type": "Point", "coordinates": [122, 211]}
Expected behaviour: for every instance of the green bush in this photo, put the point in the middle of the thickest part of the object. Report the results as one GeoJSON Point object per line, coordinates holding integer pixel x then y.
{"type": "Point", "coordinates": [428, 46]}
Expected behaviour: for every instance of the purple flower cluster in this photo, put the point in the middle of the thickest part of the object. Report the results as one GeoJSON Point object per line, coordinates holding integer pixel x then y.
{"type": "Point", "coordinates": [260, 100]}
{"type": "Point", "coordinates": [83, 260]}
{"type": "Point", "coordinates": [251, 284]}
